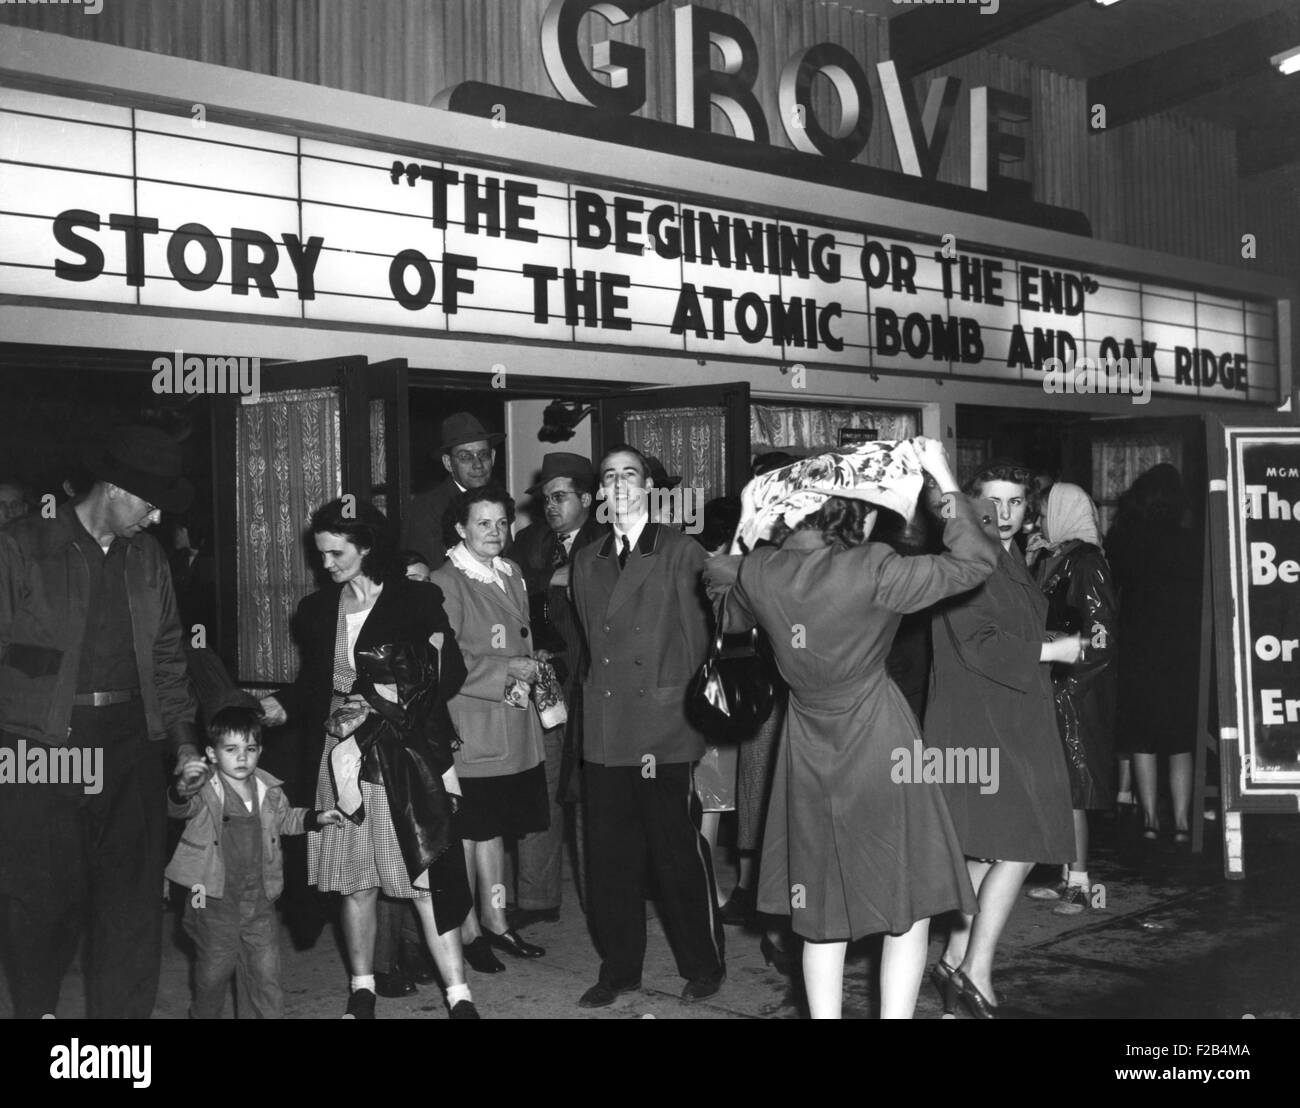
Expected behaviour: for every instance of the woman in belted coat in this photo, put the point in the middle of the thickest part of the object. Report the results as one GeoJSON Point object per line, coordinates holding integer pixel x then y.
{"type": "Point", "coordinates": [853, 846]}
{"type": "Point", "coordinates": [500, 763]}
{"type": "Point", "coordinates": [991, 693]}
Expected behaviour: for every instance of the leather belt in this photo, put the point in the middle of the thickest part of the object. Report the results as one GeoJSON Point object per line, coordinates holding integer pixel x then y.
{"type": "Point", "coordinates": [104, 699]}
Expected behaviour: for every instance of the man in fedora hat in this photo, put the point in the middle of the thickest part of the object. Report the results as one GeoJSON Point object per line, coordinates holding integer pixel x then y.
{"type": "Point", "coordinates": [92, 684]}
{"type": "Point", "coordinates": [565, 491]}
{"type": "Point", "coordinates": [468, 452]}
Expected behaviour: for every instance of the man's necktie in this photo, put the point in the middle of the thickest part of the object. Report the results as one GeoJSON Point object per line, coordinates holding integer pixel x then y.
{"type": "Point", "coordinates": [561, 554]}
{"type": "Point", "coordinates": [624, 552]}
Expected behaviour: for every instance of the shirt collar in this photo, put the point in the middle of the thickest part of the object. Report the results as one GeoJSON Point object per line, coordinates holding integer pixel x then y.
{"type": "Point", "coordinates": [633, 533]}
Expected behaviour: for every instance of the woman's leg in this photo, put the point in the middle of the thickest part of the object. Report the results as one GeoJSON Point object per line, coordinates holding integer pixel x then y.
{"type": "Point", "coordinates": [1080, 863]}
{"type": "Point", "coordinates": [359, 930]}
{"type": "Point", "coordinates": [745, 871]}
{"type": "Point", "coordinates": [823, 979]}
{"type": "Point", "coordinates": [1180, 786]}
{"type": "Point", "coordinates": [469, 929]}
{"type": "Point", "coordinates": [1125, 779]}
{"type": "Point", "coordinates": [959, 934]}
{"type": "Point", "coordinates": [445, 945]}
{"type": "Point", "coordinates": [1144, 769]}
{"type": "Point", "coordinates": [490, 858]}
{"type": "Point", "coordinates": [998, 893]}
{"type": "Point", "coordinates": [902, 962]}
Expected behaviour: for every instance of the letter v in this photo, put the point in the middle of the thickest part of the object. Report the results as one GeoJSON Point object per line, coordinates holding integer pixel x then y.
{"type": "Point", "coordinates": [918, 138]}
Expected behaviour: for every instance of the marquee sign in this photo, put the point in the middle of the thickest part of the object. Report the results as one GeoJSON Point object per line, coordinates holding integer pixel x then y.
{"type": "Point", "coordinates": [106, 205]}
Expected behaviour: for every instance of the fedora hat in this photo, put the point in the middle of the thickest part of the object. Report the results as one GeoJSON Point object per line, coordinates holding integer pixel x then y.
{"type": "Point", "coordinates": [460, 428]}
{"type": "Point", "coordinates": [146, 462]}
{"type": "Point", "coordinates": [660, 475]}
{"type": "Point", "coordinates": [559, 464]}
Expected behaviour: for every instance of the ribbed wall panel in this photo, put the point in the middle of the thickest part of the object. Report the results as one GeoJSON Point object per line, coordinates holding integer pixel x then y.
{"type": "Point", "coordinates": [1167, 182]}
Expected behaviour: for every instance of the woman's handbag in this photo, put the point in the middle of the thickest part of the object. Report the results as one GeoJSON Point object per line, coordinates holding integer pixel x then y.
{"type": "Point", "coordinates": [732, 693]}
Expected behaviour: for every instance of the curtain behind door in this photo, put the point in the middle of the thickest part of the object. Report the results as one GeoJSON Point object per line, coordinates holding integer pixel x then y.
{"type": "Point", "coordinates": [288, 458]}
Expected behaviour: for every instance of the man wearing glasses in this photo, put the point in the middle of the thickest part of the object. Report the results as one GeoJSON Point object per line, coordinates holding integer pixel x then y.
{"type": "Point", "coordinates": [468, 452]}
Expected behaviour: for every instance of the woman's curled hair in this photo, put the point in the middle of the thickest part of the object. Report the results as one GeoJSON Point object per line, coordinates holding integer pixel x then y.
{"type": "Point", "coordinates": [840, 520]}
{"type": "Point", "coordinates": [365, 527]}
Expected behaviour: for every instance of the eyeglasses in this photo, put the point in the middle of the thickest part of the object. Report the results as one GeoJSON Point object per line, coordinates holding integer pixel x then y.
{"type": "Point", "coordinates": [466, 458]}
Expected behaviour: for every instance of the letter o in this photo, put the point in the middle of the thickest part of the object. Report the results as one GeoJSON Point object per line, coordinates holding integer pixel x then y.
{"type": "Point", "coordinates": [1267, 647]}
{"type": "Point", "coordinates": [412, 301]}
{"type": "Point", "coordinates": [206, 277]}
{"type": "Point", "coordinates": [851, 88]}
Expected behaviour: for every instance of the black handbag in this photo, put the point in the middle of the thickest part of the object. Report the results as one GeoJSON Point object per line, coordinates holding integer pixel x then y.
{"type": "Point", "coordinates": [732, 694]}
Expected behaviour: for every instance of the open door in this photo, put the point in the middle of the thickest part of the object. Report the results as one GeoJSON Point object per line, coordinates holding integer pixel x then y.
{"type": "Point", "coordinates": [317, 430]}
{"type": "Point", "coordinates": [699, 432]}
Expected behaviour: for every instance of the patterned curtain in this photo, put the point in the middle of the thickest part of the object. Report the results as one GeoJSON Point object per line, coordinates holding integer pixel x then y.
{"type": "Point", "coordinates": [378, 454]}
{"type": "Point", "coordinates": [1117, 463]}
{"type": "Point", "coordinates": [287, 444]}
{"type": "Point", "coordinates": [813, 430]}
{"type": "Point", "coordinates": [691, 442]}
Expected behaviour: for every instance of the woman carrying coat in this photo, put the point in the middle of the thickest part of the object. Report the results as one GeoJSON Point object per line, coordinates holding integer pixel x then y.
{"type": "Point", "coordinates": [500, 763]}
{"type": "Point", "coordinates": [991, 694]}
{"type": "Point", "coordinates": [1072, 572]}
{"type": "Point", "coordinates": [852, 847]}
{"type": "Point", "coordinates": [369, 604]}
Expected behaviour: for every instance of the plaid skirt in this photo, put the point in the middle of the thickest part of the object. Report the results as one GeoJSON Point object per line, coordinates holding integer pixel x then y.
{"type": "Point", "coordinates": [347, 858]}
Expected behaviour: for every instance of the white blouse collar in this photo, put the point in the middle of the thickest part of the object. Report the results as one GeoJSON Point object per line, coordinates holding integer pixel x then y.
{"type": "Point", "coordinates": [475, 570]}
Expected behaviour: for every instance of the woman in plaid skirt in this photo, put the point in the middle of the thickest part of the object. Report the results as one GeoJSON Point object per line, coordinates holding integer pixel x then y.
{"type": "Point", "coordinates": [368, 604]}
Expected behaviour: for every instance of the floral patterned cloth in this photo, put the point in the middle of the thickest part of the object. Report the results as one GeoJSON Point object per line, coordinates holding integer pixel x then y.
{"type": "Point", "coordinates": [884, 473]}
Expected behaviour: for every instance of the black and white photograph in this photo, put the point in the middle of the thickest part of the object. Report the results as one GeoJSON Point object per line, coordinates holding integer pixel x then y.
{"type": "Point", "coordinates": [645, 509]}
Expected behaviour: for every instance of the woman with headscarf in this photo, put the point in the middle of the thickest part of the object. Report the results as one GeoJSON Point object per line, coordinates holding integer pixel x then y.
{"type": "Point", "coordinates": [1072, 572]}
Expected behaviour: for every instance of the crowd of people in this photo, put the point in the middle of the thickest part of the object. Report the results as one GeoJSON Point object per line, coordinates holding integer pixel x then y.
{"type": "Point", "coordinates": [474, 701]}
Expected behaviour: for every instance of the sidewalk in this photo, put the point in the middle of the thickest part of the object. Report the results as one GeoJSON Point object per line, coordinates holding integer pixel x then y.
{"type": "Point", "coordinates": [1175, 940]}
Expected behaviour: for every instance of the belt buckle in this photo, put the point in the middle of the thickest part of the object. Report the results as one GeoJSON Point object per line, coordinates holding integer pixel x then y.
{"type": "Point", "coordinates": [101, 699]}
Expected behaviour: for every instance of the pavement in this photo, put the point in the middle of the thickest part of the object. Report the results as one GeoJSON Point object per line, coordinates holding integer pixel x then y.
{"type": "Point", "coordinates": [1174, 940]}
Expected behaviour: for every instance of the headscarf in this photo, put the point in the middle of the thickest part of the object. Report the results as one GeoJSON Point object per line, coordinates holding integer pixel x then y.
{"type": "Point", "coordinates": [884, 473]}
{"type": "Point", "coordinates": [1069, 514]}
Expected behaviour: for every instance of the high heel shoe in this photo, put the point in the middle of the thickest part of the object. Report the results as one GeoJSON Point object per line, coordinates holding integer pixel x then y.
{"type": "Point", "coordinates": [781, 958]}
{"type": "Point", "coordinates": [941, 979]}
{"type": "Point", "coordinates": [977, 1004]}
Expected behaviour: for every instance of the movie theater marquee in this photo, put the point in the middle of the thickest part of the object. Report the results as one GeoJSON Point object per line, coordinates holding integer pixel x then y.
{"type": "Point", "coordinates": [112, 206]}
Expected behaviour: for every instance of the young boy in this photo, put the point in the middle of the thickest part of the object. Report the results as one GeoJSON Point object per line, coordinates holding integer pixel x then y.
{"type": "Point", "coordinates": [229, 859]}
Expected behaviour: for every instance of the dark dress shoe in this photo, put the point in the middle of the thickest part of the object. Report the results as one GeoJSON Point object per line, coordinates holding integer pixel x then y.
{"type": "Point", "coordinates": [464, 1010]}
{"type": "Point", "coordinates": [418, 966]}
{"type": "Point", "coordinates": [361, 1005]}
{"type": "Point", "coordinates": [977, 1004]}
{"type": "Point", "coordinates": [739, 907]}
{"type": "Point", "coordinates": [526, 917]}
{"type": "Point", "coordinates": [699, 988]}
{"type": "Point", "coordinates": [781, 957]}
{"type": "Point", "coordinates": [513, 943]}
{"type": "Point", "coordinates": [480, 957]}
{"type": "Point", "coordinates": [602, 994]}
{"type": "Point", "coordinates": [394, 985]}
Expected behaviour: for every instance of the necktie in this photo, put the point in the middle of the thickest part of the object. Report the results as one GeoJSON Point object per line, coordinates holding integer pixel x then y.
{"type": "Point", "coordinates": [624, 552]}
{"type": "Point", "coordinates": [561, 551]}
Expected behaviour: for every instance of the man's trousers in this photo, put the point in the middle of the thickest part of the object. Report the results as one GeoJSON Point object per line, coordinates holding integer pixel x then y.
{"type": "Point", "coordinates": [641, 821]}
{"type": "Point", "coordinates": [72, 861]}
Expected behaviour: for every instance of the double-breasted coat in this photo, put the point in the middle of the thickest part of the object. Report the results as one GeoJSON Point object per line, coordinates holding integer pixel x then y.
{"type": "Point", "coordinates": [647, 630]}
{"type": "Point", "coordinates": [852, 846]}
{"type": "Point", "coordinates": [990, 693]}
{"type": "Point", "coordinates": [491, 627]}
